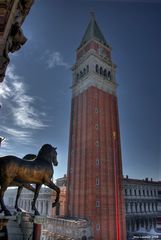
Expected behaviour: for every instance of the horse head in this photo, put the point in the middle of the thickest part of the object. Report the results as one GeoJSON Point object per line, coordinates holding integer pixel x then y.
{"type": "Point", "coordinates": [49, 153]}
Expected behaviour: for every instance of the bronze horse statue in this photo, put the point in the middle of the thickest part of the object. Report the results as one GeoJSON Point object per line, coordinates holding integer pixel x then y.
{"type": "Point", "coordinates": [20, 172]}
{"type": "Point", "coordinates": [20, 187]}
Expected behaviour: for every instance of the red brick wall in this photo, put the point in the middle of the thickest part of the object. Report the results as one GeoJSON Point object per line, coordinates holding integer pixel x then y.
{"type": "Point", "coordinates": [90, 108]}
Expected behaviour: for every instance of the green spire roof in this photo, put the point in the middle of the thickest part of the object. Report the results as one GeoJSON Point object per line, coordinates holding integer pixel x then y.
{"type": "Point", "coordinates": [93, 32]}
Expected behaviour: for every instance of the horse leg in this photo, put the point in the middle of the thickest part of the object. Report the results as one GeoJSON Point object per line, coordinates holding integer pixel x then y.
{"type": "Point", "coordinates": [37, 189]}
{"type": "Point", "coordinates": [17, 197]}
{"type": "Point", "coordinates": [51, 185]}
{"type": "Point", "coordinates": [2, 191]}
{"type": "Point", "coordinates": [20, 187]}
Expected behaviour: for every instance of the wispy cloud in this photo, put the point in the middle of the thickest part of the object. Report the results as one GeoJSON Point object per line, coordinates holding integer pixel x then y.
{"type": "Point", "coordinates": [15, 135]}
{"type": "Point", "coordinates": [19, 115]}
{"type": "Point", "coordinates": [21, 104]}
{"type": "Point", "coordinates": [55, 58]}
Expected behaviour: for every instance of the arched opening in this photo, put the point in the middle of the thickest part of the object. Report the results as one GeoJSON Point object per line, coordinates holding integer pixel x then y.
{"type": "Point", "coordinates": [87, 68]}
{"type": "Point", "coordinates": [96, 68]}
{"type": "Point", "coordinates": [101, 70]}
{"type": "Point", "coordinates": [105, 73]}
{"type": "Point", "coordinates": [81, 73]}
{"type": "Point", "coordinates": [84, 238]}
{"type": "Point", "coordinates": [109, 75]}
{"type": "Point", "coordinates": [84, 71]}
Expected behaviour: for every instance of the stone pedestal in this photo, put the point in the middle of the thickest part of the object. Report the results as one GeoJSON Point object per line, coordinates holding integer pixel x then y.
{"type": "Point", "coordinates": [22, 226]}
{"type": "Point", "coordinates": [3, 228]}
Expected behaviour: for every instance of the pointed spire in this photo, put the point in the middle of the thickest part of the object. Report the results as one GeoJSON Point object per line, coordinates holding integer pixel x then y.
{"type": "Point", "coordinates": [93, 32]}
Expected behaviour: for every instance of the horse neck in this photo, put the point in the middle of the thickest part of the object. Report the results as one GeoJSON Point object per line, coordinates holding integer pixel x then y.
{"type": "Point", "coordinates": [44, 158]}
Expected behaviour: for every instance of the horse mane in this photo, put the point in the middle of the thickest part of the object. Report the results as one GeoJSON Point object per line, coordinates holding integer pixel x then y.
{"type": "Point", "coordinates": [29, 157]}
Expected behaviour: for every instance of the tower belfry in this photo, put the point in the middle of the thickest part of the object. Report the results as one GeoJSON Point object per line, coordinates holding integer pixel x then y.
{"type": "Point", "coordinates": [94, 189]}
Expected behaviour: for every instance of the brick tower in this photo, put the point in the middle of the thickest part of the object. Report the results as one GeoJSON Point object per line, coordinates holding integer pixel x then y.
{"type": "Point", "coordinates": [94, 188]}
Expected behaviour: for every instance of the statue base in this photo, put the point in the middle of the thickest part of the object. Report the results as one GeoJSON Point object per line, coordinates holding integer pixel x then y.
{"type": "Point", "coordinates": [22, 226]}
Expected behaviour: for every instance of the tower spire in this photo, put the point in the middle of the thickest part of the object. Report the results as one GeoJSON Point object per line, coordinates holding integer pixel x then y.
{"type": "Point", "coordinates": [93, 15]}
{"type": "Point", "coordinates": [93, 32]}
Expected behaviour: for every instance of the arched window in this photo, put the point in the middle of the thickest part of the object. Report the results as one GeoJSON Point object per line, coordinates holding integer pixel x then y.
{"type": "Point", "coordinates": [101, 70]}
{"type": "Point", "coordinates": [96, 68]}
{"type": "Point", "coordinates": [84, 238]}
{"type": "Point", "coordinates": [109, 75]}
{"type": "Point", "coordinates": [84, 71]}
{"type": "Point", "coordinates": [105, 73]}
{"type": "Point", "coordinates": [77, 76]}
{"type": "Point", "coordinates": [144, 207]}
{"type": "Point", "coordinates": [140, 207]}
{"type": "Point", "coordinates": [135, 207]}
{"type": "Point", "coordinates": [81, 73]}
{"type": "Point", "coordinates": [87, 68]}
{"type": "Point", "coordinates": [131, 207]}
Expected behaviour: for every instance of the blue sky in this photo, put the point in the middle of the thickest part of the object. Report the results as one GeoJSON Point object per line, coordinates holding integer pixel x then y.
{"type": "Point", "coordinates": [36, 95]}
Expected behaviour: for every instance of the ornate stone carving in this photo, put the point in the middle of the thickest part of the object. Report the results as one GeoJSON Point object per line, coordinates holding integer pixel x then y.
{"type": "Point", "coordinates": [12, 15]}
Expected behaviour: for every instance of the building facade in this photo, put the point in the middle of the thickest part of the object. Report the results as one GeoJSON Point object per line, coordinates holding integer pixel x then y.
{"type": "Point", "coordinates": [12, 15]}
{"type": "Point", "coordinates": [143, 206]}
{"type": "Point", "coordinates": [94, 184]}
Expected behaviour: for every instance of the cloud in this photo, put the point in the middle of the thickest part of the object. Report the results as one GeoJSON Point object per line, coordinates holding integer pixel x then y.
{"type": "Point", "coordinates": [15, 134]}
{"type": "Point", "coordinates": [20, 104]}
{"type": "Point", "coordinates": [55, 59]}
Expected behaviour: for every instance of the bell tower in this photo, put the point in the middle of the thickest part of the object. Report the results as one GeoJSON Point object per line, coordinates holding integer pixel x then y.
{"type": "Point", "coordinates": [94, 187]}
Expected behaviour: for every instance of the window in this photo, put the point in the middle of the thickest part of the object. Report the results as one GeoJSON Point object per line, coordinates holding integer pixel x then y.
{"type": "Point", "coordinates": [135, 192]}
{"type": "Point", "coordinates": [97, 227]}
{"type": "Point", "coordinates": [97, 162]}
{"type": "Point", "coordinates": [96, 68]}
{"type": "Point", "coordinates": [131, 207]}
{"type": "Point", "coordinates": [96, 126]}
{"type": "Point", "coordinates": [144, 207]}
{"type": "Point", "coordinates": [139, 192]}
{"type": "Point", "coordinates": [109, 75]}
{"type": "Point", "coordinates": [97, 143]}
{"type": "Point", "coordinates": [159, 193]}
{"type": "Point", "coordinates": [125, 191]}
{"type": "Point", "coordinates": [84, 71]}
{"type": "Point", "coordinates": [97, 204]}
{"type": "Point", "coordinates": [156, 207]}
{"type": "Point", "coordinates": [84, 238]}
{"type": "Point", "coordinates": [135, 207]}
{"type": "Point", "coordinates": [97, 181]}
{"type": "Point", "coordinates": [101, 70]}
{"type": "Point", "coordinates": [96, 110]}
{"type": "Point", "coordinates": [87, 68]}
{"type": "Point", "coordinates": [77, 76]}
{"type": "Point", "coordinates": [152, 206]}
{"type": "Point", "coordinates": [140, 207]}
{"type": "Point", "coordinates": [105, 73]}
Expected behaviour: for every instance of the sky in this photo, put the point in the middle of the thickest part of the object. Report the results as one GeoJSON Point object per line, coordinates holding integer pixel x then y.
{"type": "Point", "coordinates": [36, 95]}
